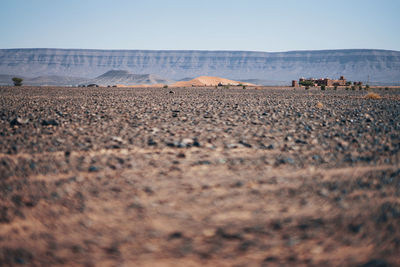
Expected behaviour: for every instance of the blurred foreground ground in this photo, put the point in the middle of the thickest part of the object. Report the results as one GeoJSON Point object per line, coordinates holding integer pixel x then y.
{"type": "Point", "coordinates": [214, 177]}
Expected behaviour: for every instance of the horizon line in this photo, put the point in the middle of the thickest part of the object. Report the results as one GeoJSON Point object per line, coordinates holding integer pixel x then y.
{"type": "Point", "coordinates": [203, 50]}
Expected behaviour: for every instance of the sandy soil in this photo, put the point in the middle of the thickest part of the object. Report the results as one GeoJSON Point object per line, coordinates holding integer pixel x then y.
{"type": "Point", "coordinates": [198, 177]}
{"type": "Point", "coordinates": [208, 81]}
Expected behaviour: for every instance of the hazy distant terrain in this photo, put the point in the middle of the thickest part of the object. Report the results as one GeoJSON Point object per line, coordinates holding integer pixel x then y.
{"type": "Point", "coordinates": [5, 79]}
{"type": "Point", "coordinates": [271, 68]}
{"type": "Point", "coordinates": [114, 77]}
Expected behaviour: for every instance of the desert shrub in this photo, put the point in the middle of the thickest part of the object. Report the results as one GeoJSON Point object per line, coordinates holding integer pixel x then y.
{"type": "Point", "coordinates": [386, 88]}
{"type": "Point", "coordinates": [348, 83]}
{"type": "Point", "coordinates": [347, 88]}
{"type": "Point", "coordinates": [353, 88]}
{"type": "Point", "coordinates": [307, 87]}
{"type": "Point", "coordinates": [165, 86]}
{"type": "Point", "coordinates": [367, 87]}
{"type": "Point", "coordinates": [17, 81]}
{"type": "Point", "coordinates": [307, 83]}
{"type": "Point", "coordinates": [335, 88]}
{"type": "Point", "coordinates": [372, 96]}
{"type": "Point", "coordinates": [240, 84]}
{"type": "Point", "coordinates": [323, 87]}
{"type": "Point", "coordinates": [360, 87]}
{"type": "Point", "coordinates": [244, 86]}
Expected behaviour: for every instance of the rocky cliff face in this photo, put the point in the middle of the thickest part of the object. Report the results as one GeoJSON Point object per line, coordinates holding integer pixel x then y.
{"type": "Point", "coordinates": [379, 65]}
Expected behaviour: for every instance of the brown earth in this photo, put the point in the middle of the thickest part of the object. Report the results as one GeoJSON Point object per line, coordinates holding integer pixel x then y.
{"type": "Point", "coordinates": [191, 177]}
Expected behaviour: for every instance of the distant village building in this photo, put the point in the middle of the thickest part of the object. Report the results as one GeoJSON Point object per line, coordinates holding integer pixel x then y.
{"type": "Point", "coordinates": [321, 81]}
{"type": "Point", "coordinates": [329, 82]}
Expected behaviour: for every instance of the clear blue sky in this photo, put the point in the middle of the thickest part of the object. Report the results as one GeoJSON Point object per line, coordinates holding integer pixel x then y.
{"type": "Point", "coordinates": [256, 25]}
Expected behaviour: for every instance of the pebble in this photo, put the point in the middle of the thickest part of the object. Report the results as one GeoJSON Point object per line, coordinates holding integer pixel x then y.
{"type": "Point", "coordinates": [50, 122]}
{"type": "Point", "coordinates": [18, 121]}
{"type": "Point", "coordinates": [93, 168]}
{"type": "Point", "coordinates": [187, 142]}
{"type": "Point", "coordinates": [375, 263]}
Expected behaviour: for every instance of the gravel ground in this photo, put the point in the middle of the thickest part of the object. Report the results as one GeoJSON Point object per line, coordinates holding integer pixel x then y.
{"type": "Point", "coordinates": [189, 177]}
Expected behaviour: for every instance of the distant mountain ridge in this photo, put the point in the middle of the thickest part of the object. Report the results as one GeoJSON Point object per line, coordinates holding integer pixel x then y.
{"type": "Point", "coordinates": [54, 80]}
{"type": "Point", "coordinates": [354, 64]}
{"type": "Point", "coordinates": [112, 77]}
{"type": "Point", "coordinates": [124, 77]}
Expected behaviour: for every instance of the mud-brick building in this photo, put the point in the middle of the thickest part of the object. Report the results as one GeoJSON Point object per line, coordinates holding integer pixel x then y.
{"type": "Point", "coordinates": [329, 82]}
{"type": "Point", "coordinates": [321, 81]}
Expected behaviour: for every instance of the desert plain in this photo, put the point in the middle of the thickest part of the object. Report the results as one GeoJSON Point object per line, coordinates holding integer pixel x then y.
{"type": "Point", "coordinates": [199, 177]}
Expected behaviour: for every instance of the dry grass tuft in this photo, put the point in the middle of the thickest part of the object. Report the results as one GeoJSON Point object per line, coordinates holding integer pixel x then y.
{"type": "Point", "coordinates": [372, 96]}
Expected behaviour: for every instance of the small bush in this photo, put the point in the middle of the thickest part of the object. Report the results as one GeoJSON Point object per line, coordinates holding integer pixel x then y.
{"type": "Point", "coordinates": [307, 87]}
{"type": "Point", "coordinates": [386, 88]}
{"type": "Point", "coordinates": [165, 86]}
{"type": "Point", "coordinates": [307, 83]}
{"type": "Point", "coordinates": [360, 87]}
{"type": "Point", "coordinates": [323, 87]}
{"type": "Point", "coordinates": [353, 88]}
{"type": "Point", "coordinates": [347, 88]}
{"type": "Point", "coordinates": [244, 86]}
{"type": "Point", "coordinates": [367, 87]}
{"type": "Point", "coordinates": [372, 96]}
{"type": "Point", "coordinates": [335, 88]}
{"type": "Point", "coordinates": [17, 81]}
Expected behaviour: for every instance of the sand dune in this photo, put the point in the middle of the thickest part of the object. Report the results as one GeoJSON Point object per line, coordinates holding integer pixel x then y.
{"type": "Point", "coordinates": [208, 81]}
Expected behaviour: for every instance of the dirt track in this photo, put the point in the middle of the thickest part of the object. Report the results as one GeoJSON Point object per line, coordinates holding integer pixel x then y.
{"type": "Point", "coordinates": [215, 177]}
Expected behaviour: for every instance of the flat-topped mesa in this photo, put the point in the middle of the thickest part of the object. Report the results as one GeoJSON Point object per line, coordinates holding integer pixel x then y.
{"type": "Point", "coordinates": [354, 64]}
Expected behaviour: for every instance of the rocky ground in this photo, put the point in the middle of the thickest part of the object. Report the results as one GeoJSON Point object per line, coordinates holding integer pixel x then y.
{"type": "Point", "coordinates": [190, 177]}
